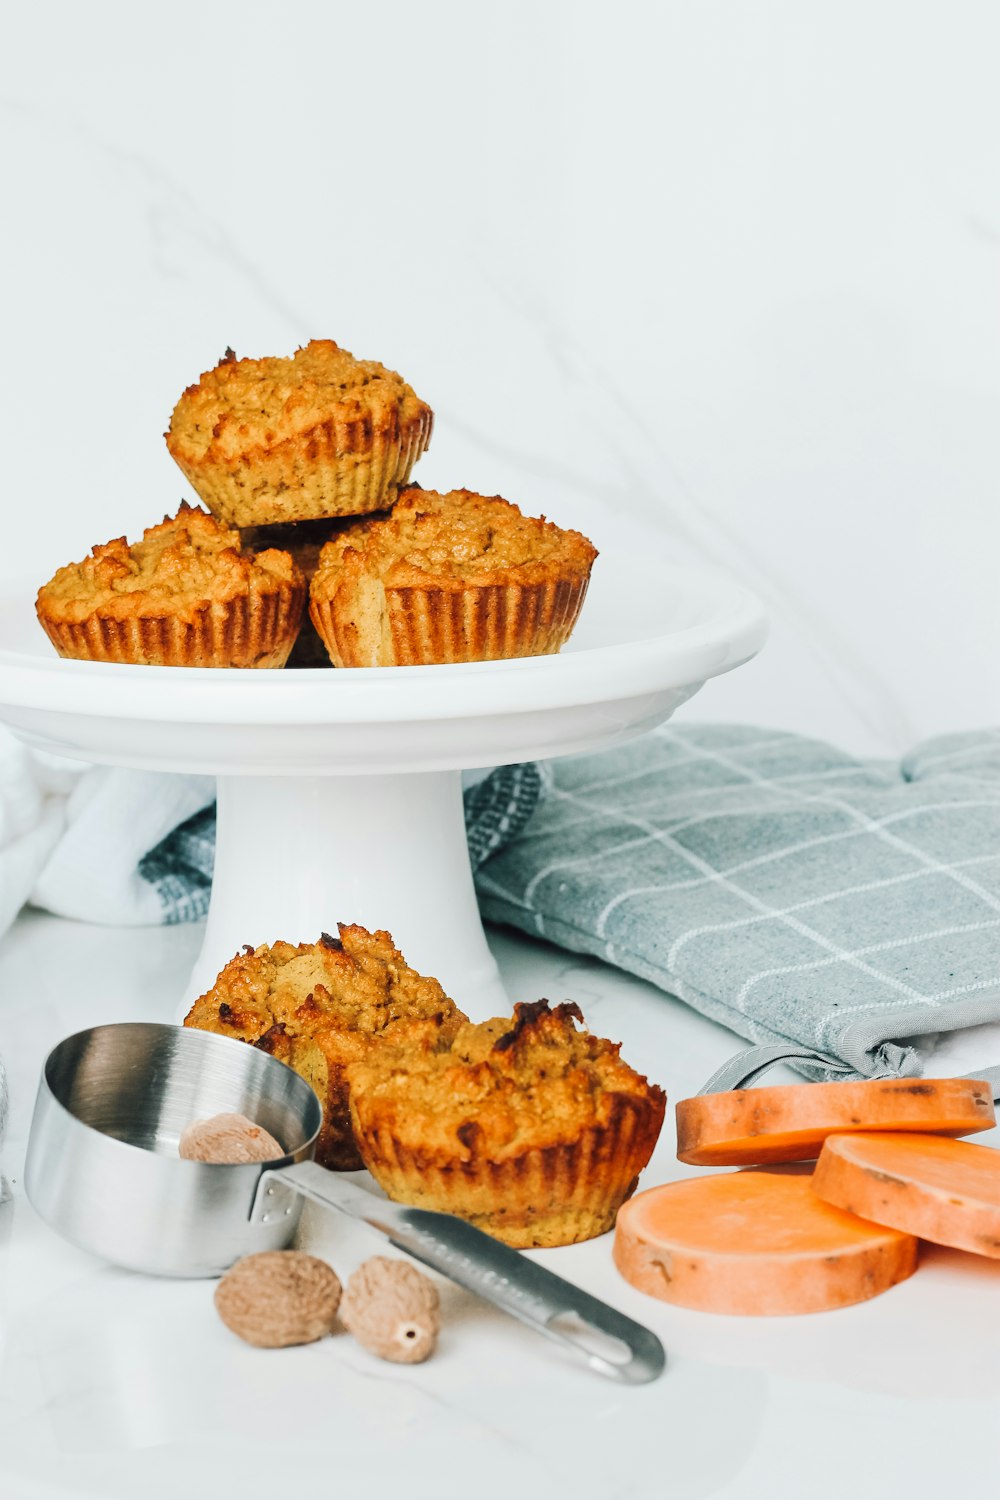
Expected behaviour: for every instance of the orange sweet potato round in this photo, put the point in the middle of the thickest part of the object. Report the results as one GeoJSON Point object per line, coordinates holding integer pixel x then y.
{"type": "Point", "coordinates": [790, 1122]}
{"type": "Point", "coordinates": [945, 1191]}
{"type": "Point", "coordinates": [753, 1242]}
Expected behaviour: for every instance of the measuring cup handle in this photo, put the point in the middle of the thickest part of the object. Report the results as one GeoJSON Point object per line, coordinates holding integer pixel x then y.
{"type": "Point", "coordinates": [606, 1339]}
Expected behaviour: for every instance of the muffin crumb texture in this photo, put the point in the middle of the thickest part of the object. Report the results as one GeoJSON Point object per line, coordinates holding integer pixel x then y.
{"type": "Point", "coordinates": [391, 1308]}
{"type": "Point", "coordinates": [320, 1007]}
{"type": "Point", "coordinates": [179, 564]}
{"type": "Point", "coordinates": [230, 1139]}
{"type": "Point", "coordinates": [451, 538]}
{"type": "Point", "coordinates": [279, 1298]}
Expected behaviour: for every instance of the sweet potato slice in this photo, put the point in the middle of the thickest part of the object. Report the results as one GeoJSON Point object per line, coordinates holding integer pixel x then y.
{"type": "Point", "coordinates": [945, 1191]}
{"type": "Point", "coordinates": [791, 1122]}
{"type": "Point", "coordinates": [753, 1242]}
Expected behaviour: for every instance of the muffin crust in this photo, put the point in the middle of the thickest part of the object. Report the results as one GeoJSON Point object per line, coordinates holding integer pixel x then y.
{"type": "Point", "coordinates": [449, 540]}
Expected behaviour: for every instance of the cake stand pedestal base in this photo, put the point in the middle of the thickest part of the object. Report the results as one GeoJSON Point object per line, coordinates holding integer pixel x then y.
{"type": "Point", "coordinates": [340, 791]}
{"type": "Point", "coordinates": [295, 855]}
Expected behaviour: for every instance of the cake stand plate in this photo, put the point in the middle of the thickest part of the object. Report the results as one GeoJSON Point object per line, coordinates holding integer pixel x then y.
{"type": "Point", "coordinates": [339, 792]}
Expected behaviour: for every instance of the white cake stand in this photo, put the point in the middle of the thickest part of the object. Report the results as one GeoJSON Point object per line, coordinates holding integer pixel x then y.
{"type": "Point", "coordinates": [339, 792]}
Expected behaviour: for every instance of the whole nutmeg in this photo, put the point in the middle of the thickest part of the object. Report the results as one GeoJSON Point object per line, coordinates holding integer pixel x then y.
{"type": "Point", "coordinates": [279, 1297]}
{"type": "Point", "coordinates": [228, 1138]}
{"type": "Point", "coordinates": [392, 1309]}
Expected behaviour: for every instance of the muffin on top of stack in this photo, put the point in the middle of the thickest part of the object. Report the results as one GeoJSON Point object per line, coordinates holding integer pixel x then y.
{"type": "Point", "coordinates": [282, 448]}
{"type": "Point", "coordinates": [269, 441]}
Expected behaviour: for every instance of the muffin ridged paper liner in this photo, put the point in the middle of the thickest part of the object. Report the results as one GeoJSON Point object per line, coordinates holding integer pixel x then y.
{"type": "Point", "coordinates": [545, 1195]}
{"type": "Point", "coordinates": [337, 468]}
{"type": "Point", "coordinates": [477, 622]}
{"type": "Point", "coordinates": [256, 630]}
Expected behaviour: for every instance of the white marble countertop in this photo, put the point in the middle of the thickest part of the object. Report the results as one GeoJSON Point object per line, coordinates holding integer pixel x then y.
{"type": "Point", "coordinates": [113, 1385]}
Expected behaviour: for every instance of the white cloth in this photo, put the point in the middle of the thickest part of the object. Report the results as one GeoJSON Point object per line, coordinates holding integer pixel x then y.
{"type": "Point", "coordinates": [72, 836]}
{"type": "Point", "coordinates": [110, 819]}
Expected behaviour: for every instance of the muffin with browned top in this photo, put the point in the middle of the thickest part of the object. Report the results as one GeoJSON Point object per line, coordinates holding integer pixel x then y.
{"type": "Point", "coordinates": [319, 1007]}
{"type": "Point", "coordinates": [186, 595]}
{"type": "Point", "coordinates": [319, 434]}
{"type": "Point", "coordinates": [530, 1129]}
{"type": "Point", "coordinates": [449, 578]}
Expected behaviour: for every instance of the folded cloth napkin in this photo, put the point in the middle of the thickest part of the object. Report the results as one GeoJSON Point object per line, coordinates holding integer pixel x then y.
{"type": "Point", "coordinates": [779, 886]}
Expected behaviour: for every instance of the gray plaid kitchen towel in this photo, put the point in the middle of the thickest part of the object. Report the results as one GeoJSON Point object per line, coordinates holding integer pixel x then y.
{"type": "Point", "coordinates": [777, 885]}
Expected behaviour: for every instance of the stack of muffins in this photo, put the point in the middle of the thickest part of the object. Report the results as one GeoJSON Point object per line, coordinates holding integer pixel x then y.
{"type": "Point", "coordinates": [304, 465]}
{"type": "Point", "coordinates": [526, 1126]}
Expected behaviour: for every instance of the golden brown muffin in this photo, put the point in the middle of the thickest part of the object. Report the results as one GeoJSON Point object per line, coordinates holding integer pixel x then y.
{"type": "Point", "coordinates": [449, 578]}
{"type": "Point", "coordinates": [320, 1006]}
{"type": "Point", "coordinates": [187, 595]}
{"type": "Point", "coordinates": [320, 434]}
{"type": "Point", "coordinates": [528, 1128]}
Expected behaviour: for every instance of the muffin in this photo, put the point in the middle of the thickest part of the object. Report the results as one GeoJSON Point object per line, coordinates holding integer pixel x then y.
{"type": "Point", "coordinates": [187, 595]}
{"type": "Point", "coordinates": [319, 1007]}
{"type": "Point", "coordinates": [448, 578]}
{"type": "Point", "coordinates": [320, 434]}
{"type": "Point", "coordinates": [528, 1128]}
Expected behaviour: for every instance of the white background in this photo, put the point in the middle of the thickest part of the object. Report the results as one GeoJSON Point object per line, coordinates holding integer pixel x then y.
{"type": "Point", "coordinates": [730, 268]}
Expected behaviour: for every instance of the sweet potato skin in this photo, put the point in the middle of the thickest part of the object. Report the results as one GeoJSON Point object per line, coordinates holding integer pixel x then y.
{"type": "Point", "coordinates": [750, 1243]}
{"type": "Point", "coordinates": [790, 1122]}
{"type": "Point", "coordinates": [944, 1191]}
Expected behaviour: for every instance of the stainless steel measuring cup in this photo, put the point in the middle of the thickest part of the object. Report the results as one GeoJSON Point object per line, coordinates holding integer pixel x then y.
{"type": "Point", "coordinates": [103, 1171]}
